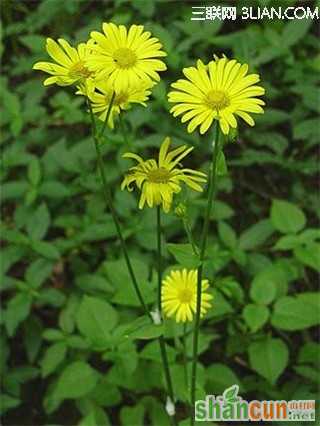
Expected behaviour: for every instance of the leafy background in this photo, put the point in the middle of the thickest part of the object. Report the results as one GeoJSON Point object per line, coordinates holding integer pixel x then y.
{"type": "Point", "coordinates": [66, 297]}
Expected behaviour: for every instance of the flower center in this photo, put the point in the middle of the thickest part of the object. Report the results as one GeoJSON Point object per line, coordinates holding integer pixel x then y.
{"type": "Point", "coordinates": [159, 175]}
{"type": "Point", "coordinates": [79, 70]}
{"type": "Point", "coordinates": [216, 99]}
{"type": "Point", "coordinates": [185, 295]}
{"type": "Point", "coordinates": [124, 57]}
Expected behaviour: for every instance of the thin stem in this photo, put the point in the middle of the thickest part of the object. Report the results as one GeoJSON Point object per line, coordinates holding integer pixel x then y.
{"type": "Point", "coordinates": [211, 194]}
{"type": "Point", "coordinates": [159, 254]}
{"type": "Point", "coordinates": [161, 338]}
{"type": "Point", "coordinates": [184, 350]}
{"type": "Point", "coordinates": [103, 128]}
{"type": "Point", "coordinates": [108, 197]}
{"type": "Point", "coordinates": [190, 236]}
{"type": "Point", "coordinates": [123, 130]}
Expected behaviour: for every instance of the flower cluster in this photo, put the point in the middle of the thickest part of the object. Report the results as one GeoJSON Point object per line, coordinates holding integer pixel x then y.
{"type": "Point", "coordinates": [113, 61]}
{"type": "Point", "coordinates": [118, 67]}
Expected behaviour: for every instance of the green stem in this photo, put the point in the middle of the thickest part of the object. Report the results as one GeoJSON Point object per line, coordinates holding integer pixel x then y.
{"type": "Point", "coordinates": [103, 128]}
{"type": "Point", "coordinates": [109, 201]}
{"type": "Point", "coordinates": [123, 131]}
{"type": "Point", "coordinates": [161, 338]}
{"type": "Point", "coordinates": [159, 254]}
{"type": "Point", "coordinates": [184, 354]}
{"type": "Point", "coordinates": [190, 236]}
{"type": "Point", "coordinates": [108, 197]}
{"type": "Point", "coordinates": [211, 194]}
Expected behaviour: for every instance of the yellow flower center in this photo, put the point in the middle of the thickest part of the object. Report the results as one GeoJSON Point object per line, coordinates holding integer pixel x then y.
{"type": "Point", "coordinates": [79, 70]}
{"type": "Point", "coordinates": [124, 57]}
{"type": "Point", "coordinates": [216, 99]}
{"type": "Point", "coordinates": [185, 295]}
{"type": "Point", "coordinates": [160, 175]}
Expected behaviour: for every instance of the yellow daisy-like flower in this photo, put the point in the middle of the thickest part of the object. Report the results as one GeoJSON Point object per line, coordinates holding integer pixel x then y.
{"type": "Point", "coordinates": [125, 56]}
{"type": "Point", "coordinates": [159, 180]}
{"type": "Point", "coordinates": [219, 91]}
{"type": "Point", "coordinates": [179, 295]}
{"type": "Point", "coordinates": [69, 66]}
{"type": "Point", "coordinates": [102, 95]}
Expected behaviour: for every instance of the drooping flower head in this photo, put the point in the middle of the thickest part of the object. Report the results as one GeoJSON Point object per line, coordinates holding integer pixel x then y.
{"type": "Point", "coordinates": [70, 64]}
{"type": "Point", "coordinates": [221, 90]}
{"type": "Point", "coordinates": [159, 180]}
{"type": "Point", "coordinates": [101, 97]}
{"type": "Point", "coordinates": [179, 295]}
{"type": "Point", "coordinates": [125, 57]}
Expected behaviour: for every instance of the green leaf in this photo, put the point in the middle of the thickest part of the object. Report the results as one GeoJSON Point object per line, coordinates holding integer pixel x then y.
{"type": "Point", "coordinates": [38, 272]}
{"type": "Point", "coordinates": [309, 255]}
{"type": "Point", "coordinates": [54, 189]}
{"type": "Point", "coordinates": [288, 242]}
{"type": "Point", "coordinates": [32, 337]}
{"type": "Point", "coordinates": [273, 116]}
{"type": "Point", "coordinates": [264, 286]}
{"type": "Point", "coordinates": [151, 351]}
{"type": "Point", "coordinates": [67, 317]}
{"type": "Point", "coordinates": [296, 313]}
{"type": "Point", "coordinates": [9, 256]}
{"type": "Point", "coordinates": [255, 316]}
{"type": "Point", "coordinates": [309, 353]}
{"type": "Point", "coordinates": [52, 335]}
{"type": "Point", "coordinates": [97, 232]}
{"type": "Point", "coordinates": [39, 222]}
{"type": "Point", "coordinates": [222, 168]}
{"type": "Point", "coordinates": [132, 415]}
{"type": "Point", "coordinates": [183, 253]}
{"type": "Point", "coordinates": [294, 31]}
{"type": "Point", "coordinates": [269, 357]}
{"type": "Point", "coordinates": [13, 190]}
{"type": "Point", "coordinates": [221, 211]}
{"type": "Point", "coordinates": [149, 331]}
{"type": "Point", "coordinates": [90, 282]}
{"type": "Point", "coordinates": [54, 355]}
{"type": "Point", "coordinates": [88, 420]}
{"type": "Point", "coordinates": [8, 402]}
{"type": "Point", "coordinates": [77, 380]}
{"type": "Point", "coordinates": [34, 42]}
{"type": "Point", "coordinates": [46, 249]}
{"type": "Point", "coordinates": [142, 328]}
{"type": "Point", "coordinates": [256, 235]}
{"type": "Point", "coordinates": [95, 319]}
{"type": "Point", "coordinates": [227, 235]}
{"type": "Point", "coordinates": [309, 373]}
{"type": "Point", "coordinates": [219, 378]}
{"type": "Point", "coordinates": [221, 305]}
{"type": "Point", "coordinates": [17, 311]}
{"type": "Point", "coordinates": [34, 171]}
{"type": "Point", "coordinates": [287, 217]}
{"type": "Point", "coordinates": [51, 296]}
{"type": "Point", "coordinates": [118, 275]}
{"type": "Point", "coordinates": [306, 130]}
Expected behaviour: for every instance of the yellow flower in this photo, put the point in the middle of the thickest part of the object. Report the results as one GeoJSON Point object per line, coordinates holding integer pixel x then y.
{"type": "Point", "coordinates": [101, 97]}
{"type": "Point", "coordinates": [159, 180]}
{"type": "Point", "coordinates": [69, 66]}
{"type": "Point", "coordinates": [179, 295]}
{"type": "Point", "coordinates": [125, 56]}
{"type": "Point", "coordinates": [219, 91]}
